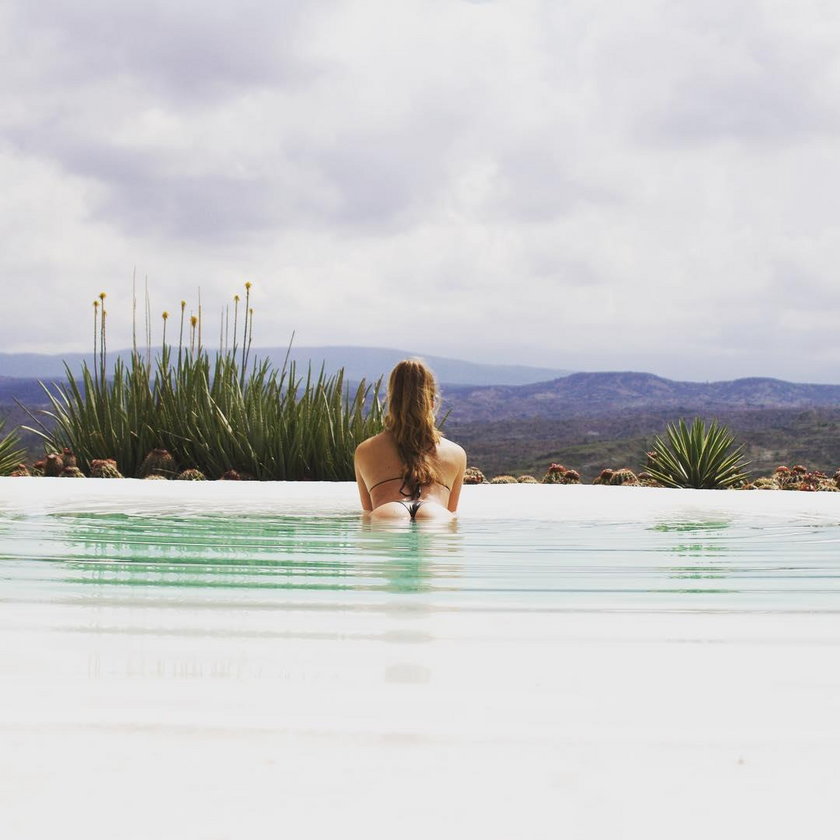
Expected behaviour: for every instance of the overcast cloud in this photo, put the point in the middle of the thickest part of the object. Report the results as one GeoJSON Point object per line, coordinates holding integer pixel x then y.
{"type": "Point", "coordinates": [591, 184]}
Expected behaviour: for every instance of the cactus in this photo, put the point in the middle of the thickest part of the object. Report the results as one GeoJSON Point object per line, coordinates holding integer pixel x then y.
{"type": "Point", "coordinates": [503, 479]}
{"type": "Point", "coordinates": [104, 468]}
{"type": "Point", "coordinates": [473, 475]}
{"type": "Point", "coordinates": [527, 479]}
{"type": "Point", "coordinates": [604, 476]}
{"type": "Point", "coordinates": [647, 480]}
{"type": "Point", "coordinates": [159, 462]}
{"type": "Point", "coordinates": [558, 474]}
{"type": "Point", "coordinates": [191, 475]}
{"type": "Point", "coordinates": [784, 477]}
{"type": "Point", "coordinates": [72, 472]}
{"type": "Point", "coordinates": [20, 471]}
{"type": "Point", "coordinates": [554, 474]}
{"type": "Point", "coordinates": [624, 477]}
{"type": "Point", "coordinates": [53, 465]}
{"type": "Point", "coordinates": [236, 475]}
{"type": "Point", "coordinates": [155, 477]}
{"type": "Point", "coordinates": [69, 458]}
{"type": "Point", "coordinates": [816, 481]}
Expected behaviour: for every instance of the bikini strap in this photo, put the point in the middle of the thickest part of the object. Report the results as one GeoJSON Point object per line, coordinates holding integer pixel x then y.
{"type": "Point", "coordinates": [384, 481]}
{"type": "Point", "coordinates": [413, 495]}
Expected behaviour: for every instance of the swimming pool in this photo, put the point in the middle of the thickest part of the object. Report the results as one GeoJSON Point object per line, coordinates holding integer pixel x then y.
{"type": "Point", "coordinates": [220, 659]}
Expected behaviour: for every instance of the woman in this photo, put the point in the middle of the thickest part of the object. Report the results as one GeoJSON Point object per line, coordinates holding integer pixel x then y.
{"type": "Point", "coordinates": [409, 470]}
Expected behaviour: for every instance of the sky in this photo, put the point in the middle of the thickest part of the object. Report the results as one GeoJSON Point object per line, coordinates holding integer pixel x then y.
{"type": "Point", "coordinates": [588, 184]}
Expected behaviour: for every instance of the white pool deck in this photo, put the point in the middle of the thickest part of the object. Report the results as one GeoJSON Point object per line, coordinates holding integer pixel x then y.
{"type": "Point", "coordinates": [535, 501]}
{"type": "Point", "coordinates": [126, 723]}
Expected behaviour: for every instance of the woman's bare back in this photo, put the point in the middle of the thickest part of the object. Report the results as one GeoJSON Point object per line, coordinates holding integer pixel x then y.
{"type": "Point", "coordinates": [379, 475]}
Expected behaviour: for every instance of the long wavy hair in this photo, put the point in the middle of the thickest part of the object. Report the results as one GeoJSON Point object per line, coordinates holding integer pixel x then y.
{"type": "Point", "coordinates": [412, 402]}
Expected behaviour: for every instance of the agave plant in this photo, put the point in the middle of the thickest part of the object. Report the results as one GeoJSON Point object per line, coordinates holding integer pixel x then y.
{"type": "Point", "coordinates": [696, 456]}
{"type": "Point", "coordinates": [10, 452]}
{"type": "Point", "coordinates": [216, 412]}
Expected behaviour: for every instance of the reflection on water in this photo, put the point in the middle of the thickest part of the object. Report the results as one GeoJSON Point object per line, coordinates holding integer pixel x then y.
{"type": "Point", "coordinates": [530, 564]}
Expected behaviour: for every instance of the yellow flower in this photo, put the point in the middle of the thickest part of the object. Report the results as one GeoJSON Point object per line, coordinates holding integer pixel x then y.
{"type": "Point", "coordinates": [193, 320]}
{"type": "Point", "coordinates": [248, 285]}
{"type": "Point", "coordinates": [165, 315]}
{"type": "Point", "coordinates": [102, 296]}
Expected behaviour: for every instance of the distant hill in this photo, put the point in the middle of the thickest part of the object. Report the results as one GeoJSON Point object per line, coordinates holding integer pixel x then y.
{"type": "Point", "coordinates": [358, 362]}
{"type": "Point", "coordinates": [594, 394]}
{"type": "Point", "coordinates": [588, 443]}
{"type": "Point", "coordinates": [595, 420]}
{"type": "Point", "coordinates": [574, 395]}
{"type": "Point", "coordinates": [27, 391]}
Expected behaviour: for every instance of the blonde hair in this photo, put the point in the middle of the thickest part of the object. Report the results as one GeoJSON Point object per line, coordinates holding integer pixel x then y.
{"type": "Point", "coordinates": [412, 401]}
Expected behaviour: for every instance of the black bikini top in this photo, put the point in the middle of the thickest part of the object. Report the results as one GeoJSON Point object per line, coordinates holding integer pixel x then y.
{"type": "Point", "coordinates": [400, 478]}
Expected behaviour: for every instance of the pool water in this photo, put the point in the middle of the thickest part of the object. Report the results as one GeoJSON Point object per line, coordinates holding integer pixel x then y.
{"type": "Point", "coordinates": [505, 563]}
{"type": "Point", "coordinates": [230, 661]}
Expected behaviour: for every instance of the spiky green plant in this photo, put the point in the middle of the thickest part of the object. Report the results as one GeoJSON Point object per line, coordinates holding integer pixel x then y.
{"type": "Point", "coordinates": [217, 414]}
{"type": "Point", "coordinates": [696, 456]}
{"type": "Point", "coordinates": [11, 453]}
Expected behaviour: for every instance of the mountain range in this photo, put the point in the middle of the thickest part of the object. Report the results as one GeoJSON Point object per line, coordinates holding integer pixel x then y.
{"type": "Point", "coordinates": [485, 392]}
{"type": "Point", "coordinates": [359, 363]}
{"type": "Point", "coordinates": [594, 394]}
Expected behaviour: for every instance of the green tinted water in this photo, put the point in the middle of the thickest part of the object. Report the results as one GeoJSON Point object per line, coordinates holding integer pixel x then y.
{"type": "Point", "coordinates": [690, 565]}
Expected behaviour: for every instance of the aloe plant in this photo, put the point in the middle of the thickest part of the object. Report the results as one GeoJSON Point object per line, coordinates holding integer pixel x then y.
{"type": "Point", "coordinates": [10, 452]}
{"type": "Point", "coordinates": [696, 456]}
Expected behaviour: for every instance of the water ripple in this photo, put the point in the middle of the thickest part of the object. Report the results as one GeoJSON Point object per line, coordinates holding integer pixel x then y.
{"type": "Point", "coordinates": [683, 564]}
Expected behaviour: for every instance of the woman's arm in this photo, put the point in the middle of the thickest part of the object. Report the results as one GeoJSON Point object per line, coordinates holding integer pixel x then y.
{"type": "Point", "coordinates": [455, 492]}
{"type": "Point", "coordinates": [364, 496]}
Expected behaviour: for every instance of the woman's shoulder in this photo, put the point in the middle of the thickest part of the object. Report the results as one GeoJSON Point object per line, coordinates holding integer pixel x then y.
{"type": "Point", "coordinates": [450, 449]}
{"type": "Point", "coordinates": [372, 443]}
